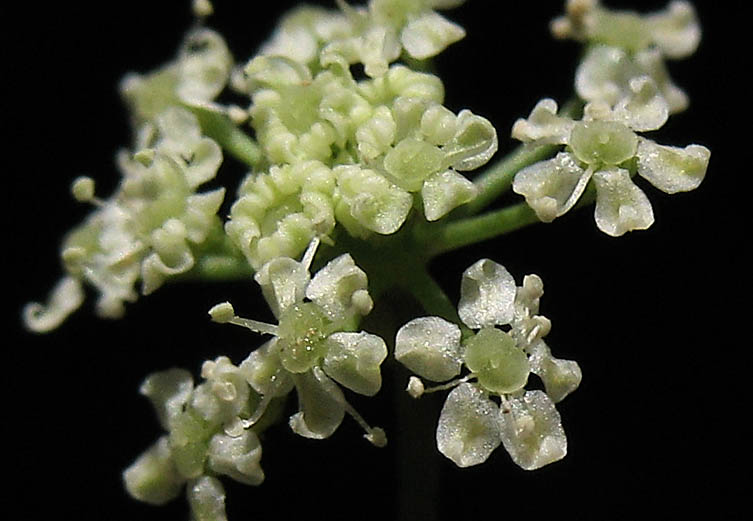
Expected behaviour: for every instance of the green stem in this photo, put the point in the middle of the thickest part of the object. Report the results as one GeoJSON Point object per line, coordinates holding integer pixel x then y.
{"type": "Point", "coordinates": [463, 232]}
{"type": "Point", "coordinates": [218, 259]}
{"type": "Point", "coordinates": [430, 295]}
{"type": "Point", "coordinates": [227, 134]}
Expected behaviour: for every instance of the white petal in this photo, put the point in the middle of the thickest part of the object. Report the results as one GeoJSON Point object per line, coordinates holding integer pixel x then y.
{"type": "Point", "coordinates": [645, 108]}
{"type": "Point", "coordinates": [237, 457]}
{"type": "Point", "coordinates": [430, 347]}
{"type": "Point", "coordinates": [206, 496]}
{"type": "Point", "coordinates": [531, 430]}
{"type": "Point", "coordinates": [263, 371]}
{"type": "Point", "coordinates": [620, 205]}
{"type": "Point", "coordinates": [672, 169]}
{"type": "Point", "coordinates": [66, 297]}
{"type": "Point", "coordinates": [652, 63]}
{"type": "Point", "coordinates": [283, 282]}
{"type": "Point", "coordinates": [335, 286]}
{"type": "Point", "coordinates": [169, 392]}
{"type": "Point", "coordinates": [204, 66]}
{"type": "Point", "coordinates": [322, 405]}
{"type": "Point", "coordinates": [677, 31]}
{"type": "Point", "coordinates": [474, 142]}
{"type": "Point", "coordinates": [543, 125]}
{"type": "Point", "coordinates": [153, 478]}
{"type": "Point", "coordinates": [445, 191]}
{"type": "Point", "coordinates": [353, 359]}
{"type": "Point", "coordinates": [552, 187]}
{"type": "Point", "coordinates": [560, 377]}
{"type": "Point", "coordinates": [468, 429]}
{"type": "Point", "coordinates": [487, 294]}
{"type": "Point", "coordinates": [604, 74]}
{"type": "Point", "coordinates": [429, 34]}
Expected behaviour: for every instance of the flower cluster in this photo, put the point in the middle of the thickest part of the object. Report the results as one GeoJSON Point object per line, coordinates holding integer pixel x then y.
{"type": "Point", "coordinates": [205, 437]}
{"type": "Point", "coordinates": [148, 229]}
{"type": "Point", "coordinates": [499, 362]}
{"type": "Point", "coordinates": [212, 428]}
{"type": "Point", "coordinates": [627, 89]}
{"type": "Point", "coordinates": [348, 140]}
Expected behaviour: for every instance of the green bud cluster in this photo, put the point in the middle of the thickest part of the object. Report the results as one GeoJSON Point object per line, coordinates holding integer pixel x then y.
{"type": "Point", "coordinates": [350, 152]}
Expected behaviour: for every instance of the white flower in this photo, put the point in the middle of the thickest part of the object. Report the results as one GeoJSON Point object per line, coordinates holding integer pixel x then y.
{"type": "Point", "coordinates": [604, 147]}
{"type": "Point", "coordinates": [674, 31]}
{"type": "Point", "coordinates": [314, 342]}
{"type": "Point", "coordinates": [471, 424]}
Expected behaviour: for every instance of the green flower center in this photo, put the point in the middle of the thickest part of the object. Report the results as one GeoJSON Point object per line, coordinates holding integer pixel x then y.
{"type": "Point", "coordinates": [500, 365]}
{"type": "Point", "coordinates": [303, 329]}
{"type": "Point", "coordinates": [603, 142]}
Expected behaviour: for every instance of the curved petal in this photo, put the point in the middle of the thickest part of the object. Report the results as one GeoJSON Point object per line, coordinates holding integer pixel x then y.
{"type": "Point", "coordinates": [560, 377]}
{"type": "Point", "coordinates": [283, 283]}
{"type": "Point", "coordinates": [487, 295]}
{"type": "Point", "coordinates": [468, 429]}
{"type": "Point", "coordinates": [206, 496]}
{"type": "Point", "coordinates": [474, 143]}
{"type": "Point", "coordinates": [429, 34]}
{"type": "Point", "coordinates": [169, 391]}
{"type": "Point", "coordinates": [430, 347]}
{"type": "Point", "coordinates": [531, 430]}
{"type": "Point", "coordinates": [340, 288]}
{"type": "Point", "coordinates": [604, 74]}
{"type": "Point", "coordinates": [543, 125]}
{"type": "Point", "coordinates": [263, 371]}
{"type": "Point", "coordinates": [353, 359]}
{"type": "Point", "coordinates": [644, 108]}
{"type": "Point", "coordinates": [676, 31]}
{"type": "Point", "coordinates": [672, 169]}
{"type": "Point", "coordinates": [445, 191]}
{"type": "Point", "coordinates": [552, 187]}
{"type": "Point", "coordinates": [620, 205]}
{"type": "Point", "coordinates": [153, 478]}
{"type": "Point", "coordinates": [66, 297]}
{"type": "Point", "coordinates": [237, 457]}
{"type": "Point", "coordinates": [322, 405]}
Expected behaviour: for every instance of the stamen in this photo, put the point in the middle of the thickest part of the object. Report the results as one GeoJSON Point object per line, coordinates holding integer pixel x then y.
{"type": "Point", "coordinates": [225, 314]}
{"type": "Point", "coordinates": [308, 256]}
{"type": "Point", "coordinates": [255, 325]}
{"type": "Point", "coordinates": [259, 412]}
{"type": "Point", "coordinates": [442, 387]}
{"type": "Point", "coordinates": [82, 189]}
{"type": "Point", "coordinates": [375, 435]}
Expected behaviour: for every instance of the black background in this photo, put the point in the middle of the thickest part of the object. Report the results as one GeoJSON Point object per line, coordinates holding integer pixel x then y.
{"type": "Point", "coordinates": [658, 320]}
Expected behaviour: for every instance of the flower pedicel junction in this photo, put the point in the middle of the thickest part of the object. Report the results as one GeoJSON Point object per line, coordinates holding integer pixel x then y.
{"type": "Point", "coordinates": [353, 186]}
